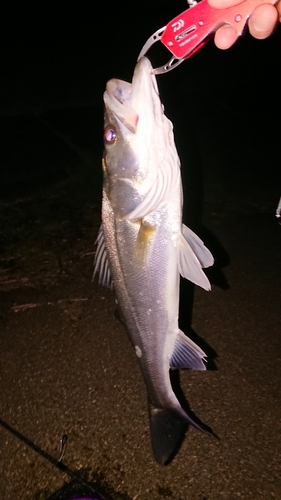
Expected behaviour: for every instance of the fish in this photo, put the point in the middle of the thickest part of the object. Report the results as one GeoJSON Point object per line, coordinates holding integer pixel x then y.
{"type": "Point", "coordinates": [143, 247]}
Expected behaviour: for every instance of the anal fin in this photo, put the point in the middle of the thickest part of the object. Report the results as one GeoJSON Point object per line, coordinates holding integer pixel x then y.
{"type": "Point", "coordinates": [187, 354]}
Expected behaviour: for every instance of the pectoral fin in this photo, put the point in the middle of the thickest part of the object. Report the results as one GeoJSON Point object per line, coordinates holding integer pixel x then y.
{"type": "Point", "coordinates": [143, 243]}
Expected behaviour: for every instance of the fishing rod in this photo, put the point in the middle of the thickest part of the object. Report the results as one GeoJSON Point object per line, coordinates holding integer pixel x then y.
{"type": "Point", "coordinates": [56, 462]}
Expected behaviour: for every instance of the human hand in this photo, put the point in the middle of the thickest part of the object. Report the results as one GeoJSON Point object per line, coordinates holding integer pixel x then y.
{"type": "Point", "coordinates": [261, 24]}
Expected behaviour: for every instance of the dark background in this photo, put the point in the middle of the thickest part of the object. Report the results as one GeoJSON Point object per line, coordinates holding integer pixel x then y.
{"type": "Point", "coordinates": [66, 364]}
{"type": "Point", "coordinates": [57, 56]}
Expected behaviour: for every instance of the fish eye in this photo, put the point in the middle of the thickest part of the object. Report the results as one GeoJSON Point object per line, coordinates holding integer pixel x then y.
{"type": "Point", "coordinates": [109, 135]}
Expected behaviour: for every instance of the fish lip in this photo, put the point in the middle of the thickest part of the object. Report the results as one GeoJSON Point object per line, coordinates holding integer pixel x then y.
{"type": "Point", "coordinates": [127, 101]}
{"type": "Point", "coordinates": [117, 98]}
{"type": "Point", "coordinates": [119, 90]}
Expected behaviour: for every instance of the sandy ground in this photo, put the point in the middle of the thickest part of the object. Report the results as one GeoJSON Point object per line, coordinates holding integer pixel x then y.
{"type": "Point", "coordinates": [67, 366]}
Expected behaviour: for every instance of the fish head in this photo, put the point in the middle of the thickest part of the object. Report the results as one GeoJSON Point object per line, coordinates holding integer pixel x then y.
{"type": "Point", "coordinates": [133, 120]}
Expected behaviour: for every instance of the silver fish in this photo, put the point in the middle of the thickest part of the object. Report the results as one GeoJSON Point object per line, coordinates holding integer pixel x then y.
{"type": "Point", "coordinates": [143, 247]}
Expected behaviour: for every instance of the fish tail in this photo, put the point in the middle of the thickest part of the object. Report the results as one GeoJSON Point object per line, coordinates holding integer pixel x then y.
{"type": "Point", "coordinates": [167, 428]}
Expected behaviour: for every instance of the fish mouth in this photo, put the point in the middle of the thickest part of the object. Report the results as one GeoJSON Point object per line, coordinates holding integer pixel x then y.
{"type": "Point", "coordinates": [127, 101]}
{"type": "Point", "coordinates": [118, 100]}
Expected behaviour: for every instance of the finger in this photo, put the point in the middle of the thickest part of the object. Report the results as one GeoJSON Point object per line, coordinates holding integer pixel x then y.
{"type": "Point", "coordinates": [223, 4]}
{"type": "Point", "coordinates": [263, 21]}
{"type": "Point", "coordinates": [278, 7]}
{"type": "Point", "coordinates": [225, 37]}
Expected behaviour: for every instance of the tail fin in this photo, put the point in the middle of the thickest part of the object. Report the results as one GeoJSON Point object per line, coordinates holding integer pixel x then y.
{"type": "Point", "coordinates": [167, 428]}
